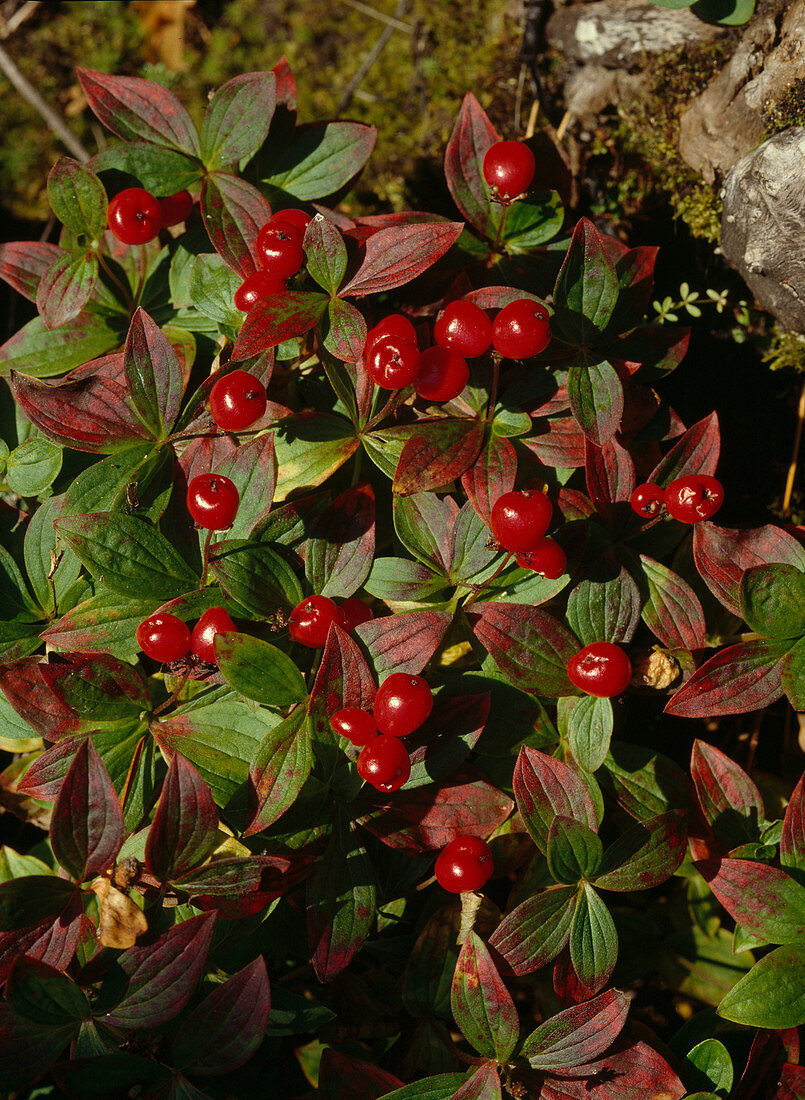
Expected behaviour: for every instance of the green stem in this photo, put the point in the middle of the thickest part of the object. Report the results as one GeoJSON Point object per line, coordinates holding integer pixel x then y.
{"type": "Point", "coordinates": [474, 595]}
{"type": "Point", "coordinates": [173, 696]}
{"type": "Point", "coordinates": [124, 290]}
{"type": "Point", "coordinates": [205, 561]}
{"type": "Point", "coordinates": [356, 466]}
{"type": "Point", "coordinates": [493, 390]}
{"type": "Point", "coordinates": [500, 227]}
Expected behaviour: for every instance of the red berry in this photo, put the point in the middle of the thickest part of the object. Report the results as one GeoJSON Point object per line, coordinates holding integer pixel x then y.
{"type": "Point", "coordinates": [464, 864]}
{"type": "Point", "coordinates": [358, 726]}
{"type": "Point", "coordinates": [547, 558]}
{"type": "Point", "coordinates": [520, 519]}
{"type": "Point", "coordinates": [279, 249]}
{"type": "Point", "coordinates": [134, 216]}
{"type": "Point", "coordinates": [292, 216]}
{"type": "Point", "coordinates": [176, 208]}
{"type": "Point", "coordinates": [694, 497]}
{"type": "Point", "coordinates": [237, 400]}
{"type": "Point", "coordinates": [163, 637]}
{"type": "Point", "coordinates": [385, 764]}
{"type": "Point", "coordinates": [255, 287]}
{"type": "Point", "coordinates": [601, 669]}
{"type": "Point", "coordinates": [464, 327]}
{"type": "Point", "coordinates": [354, 612]}
{"type": "Point", "coordinates": [521, 329]}
{"type": "Point", "coordinates": [392, 363]}
{"type": "Point", "coordinates": [212, 501]}
{"type": "Point", "coordinates": [647, 500]}
{"type": "Point", "coordinates": [509, 168]}
{"type": "Point", "coordinates": [311, 620]}
{"type": "Point", "coordinates": [394, 327]}
{"type": "Point", "coordinates": [402, 704]}
{"type": "Point", "coordinates": [443, 374]}
{"type": "Point", "coordinates": [202, 640]}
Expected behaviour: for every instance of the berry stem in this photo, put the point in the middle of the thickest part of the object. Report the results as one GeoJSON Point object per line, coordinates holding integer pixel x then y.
{"type": "Point", "coordinates": [493, 389]}
{"type": "Point", "coordinates": [477, 590]}
{"type": "Point", "coordinates": [173, 696]}
{"type": "Point", "coordinates": [397, 397]}
{"type": "Point", "coordinates": [500, 226]}
{"type": "Point", "coordinates": [124, 290]}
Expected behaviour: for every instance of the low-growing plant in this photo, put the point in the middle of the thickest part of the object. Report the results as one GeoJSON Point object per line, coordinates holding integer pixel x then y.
{"type": "Point", "coordinates": [338, 555]}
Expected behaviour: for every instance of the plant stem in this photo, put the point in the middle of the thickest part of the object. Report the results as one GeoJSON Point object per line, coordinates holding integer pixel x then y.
{"type": "Point", "coordinates": [474, 596]}
{"type": "Point", "coordinates": [205, 560]}
{"type": "Point", "coordinates": [129, 301]}
{"type": "Point", "coordinates": [356, 466]}
{"type": "Point", "coordinates": [493, 389]}
{"type": "Point", "coordinates": [500, 226]}
{"type": "Point", "coordinates": [173, 696]}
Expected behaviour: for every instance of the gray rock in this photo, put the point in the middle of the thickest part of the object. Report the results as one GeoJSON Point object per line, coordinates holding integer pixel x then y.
{"type": "Point", "coordinates": [761, 227]}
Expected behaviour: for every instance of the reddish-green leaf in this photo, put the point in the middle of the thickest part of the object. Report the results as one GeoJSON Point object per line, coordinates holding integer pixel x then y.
{"type": "Point", "coordinates": [772, 994]}
{"type": "Point", "coordinates": [39, 993]}
{"type": "Point", "coordinates": [343, 680]}
{"type": "Point", "coordinates": [593, 940]}
{"type": "Point", "coordinates": [24, 263]}
{"type": "Point", "coordinates": [645, 783]}
{"type": "Point", "coordinates": [764, 900]}
{"type": "Point", "coordinates": [578, 1034]}
{"type": "Point", "coordinates": [557, 442]}
{"type": "Point", "coordinates": [723, 554]}
{"type": "Point", "coordinates": [658, 348]}
{"type": "Point", "coordinates": [33, 899]}
{"type": "Point", "coordinates": [236, 887]}
{"type": "Point", "coordinates": [596, 399]}
{"type": "Point", "coordinates": [50, 941]}
{"type": "Point", "coordinates": [587, 287]}
{"type": "Point", "coordinates": [326, 254]}
{"type": "Point", "coordinates": [441, 451]}
{"type": "Point", "coordinates": [154, 376]}
{"type": "Point", "coordinates": [636, 1072]}
{"type": "Point", "coordinates": [482, 1084]}
{"type": "Point", "coordinates": [65, 288]}
{"type": "Point", "coordinates": [258, 669]}
{"type": "Point", "coordinates": [645, 855]}
{"type": "Point", "coordinates": [529, 646]}
{"type": "Point", "coordinates": [610, 472]}
{"type": "Point", "coordinates": [237, 119]}
{"type": "Point", "coordinates": [163, 974]}
{"type": "Point", "coordinates": [228, 1026]}
{"type": "Point", "coordinates": [793, 676]}
{"type": "Point", "coordinates": [481, 1003]}
{"type": "Point", "coordinates": [773, 600]}
{"type": "Point", "coordinates": [404, 642]}
{"type": "Point", "coordinates": [472, 136]}
{"type": "Point", "coordinates": [277, 318]}
{"type": "Point", "coordinates": [739, 678]}
{"type": "Point", "coordinates": [78, 199]}
{"type": "Point", "coordinates": [86, 829]}
{"type": "Point", "coordinates": [546, 787]}
{"type": "Point", "coordinates": [319, 159]}
{"type": "Point", "coordinates": [27, 1049]}
{"type": "Point", "coordinates": [252, 468]}
{"type": "Point", "coordinates": [346, 332]}
{"type": "Point", "coordinates": [342, 544]}
{"type": "Point", "coordinates": [425, 523]}
{"type": "Point", "coordinates": [278, 770]}
{"type": "Point", "coordinates": [42, 352]}
{"type": "Point", "coordinates": [184, 831]}
{"type": "Point", "coordinates": [233, 212]}
{"type": "Point", "coordinates": [343, 1077]}
{"type": "Point", "coordinates": [792, 839]}
{"type": "Point", "coordinates": [491, 475]}
{"type": "Point", "coordinates": [605, 605]}
{"type": "Point", "coordinates": [671, 609]}
{"type": "Point", "coordinates": [730, 801]}
{"type": "Point", "coordinates": [537, 930]}
{"type": "Point", "coordinates": [134, 108]}
{"type": "Point", "coordinates": [696, 452]}
{"type": "Point", "coordinates": [395, 256]}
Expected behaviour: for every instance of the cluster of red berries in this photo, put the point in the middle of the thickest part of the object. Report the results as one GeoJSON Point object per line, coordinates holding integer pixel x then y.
{"type": "Point", "coordinates": [519, 521]}
{"type": "Point", "coordinates": [280, 255]}
{"type": "Point", "coordinates": [135, 216]}
{"type": "Point", "coordinates": [166, 638]}
{"type": "Point", "coordinates": [508, 168]}
{"type": "Point", "coordinates": [688, 499]}
{"type": "Point", "coordinates": [601, 668]}
{"type": "Point", "coordinates": [520, 329]}
{"type": "Point", "coordinates": [310, 620]}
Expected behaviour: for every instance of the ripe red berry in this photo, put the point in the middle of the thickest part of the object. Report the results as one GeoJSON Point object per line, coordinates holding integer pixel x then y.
{"type": "Point", "coordinates": [465, 328]}
{"type": "Point", "coordinates": [176, 208]}
{"type": "Point", "coordinates": [402, 704]}
{"type": "Point", "coordinates": [465, 864]}
{"type": "Point", "coordinates": [279, 249]}
{"type": "Point", "coordinates": [694, 497]}
{"type": "Point", "coordinates": [134, 216]}
{"type": "Point", "coordinates": [358, 726]}
{"type": "Point", "coordinates": [212, 501]}
{"type": "Point", "coordinates": [509, 168]}
{"type": "Point", "coordinates": [385, 764]}
{"type": "Point", "coordinates": [443, 374]}
{"type": "Point", "coordinates": [163, 637]}
{"type": "Point", "coordinates": [212, 622]}
{"type": "Point", "coordinates": [392, 363]}
{"type": "Point", "coordinates": [311, 620]}
{"type": "Point", "coordinates": [292, 216]}
{"type": "Point", "coordinates": [354, 612]}
{"type": "Point", "coordinates": [547, 558]}
{"type": "Point", "coordinates": [520, 519]}
{"type": "Point", "coordinates": [601, 668]}
{"type": "Point", "coordinates": [521, 329]}
{"type": "Point", "coordinates": [255, 287]}
{"type": "Point", "coordinates": [237, 400]}
{"type": "Point", "coordinates": [394, 327]}
{"type": "Point", "coordinates": [647, 500]}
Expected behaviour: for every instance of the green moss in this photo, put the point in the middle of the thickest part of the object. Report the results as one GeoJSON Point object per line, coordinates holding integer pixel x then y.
{"type": "Point", "coordinates": [788, 110]}
{"type": "Point", "coordinates": [784, 350]}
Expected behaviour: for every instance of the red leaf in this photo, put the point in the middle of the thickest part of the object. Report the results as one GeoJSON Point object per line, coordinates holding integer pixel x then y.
{"type": "Point", "coordinates": [557, 442]}
{"type": "Point", "coordinates": [154, 376]}
{"type": "Point", "coordinates": [482, 1005]}
{"type": "Point", "coordinates": [537, 930]}
{"type": "Point", "coordinates": [237, 887]}
{"type": "Point", "coordinates": [578, 1034]}
{"type": "Point", "coordinates": [233, 213]}
{"type": "Point", "coordinates": [695, 453]}
{"type": "Point", "coordinates": [636, 1072]}
{"type": "Point", "coordinates": [659, 349]}
{"type": "Point", "coordinates": [25, 687]}
{"type": "Point", "coordinates": [484, 1084]}
{"type": "Point", "coordinates": [447, 737]}
{"type": "Point", "coordinates": [792, 840]}
{"type": "Point", "coordinates": [723, 554]}
{"type": "Point", "coordinates": [472, 136]}
{"type": "Point", "coordinates": [50, 941]}
{"type": "Point", "coordinates": [343, 680]}
{"type": "Point", "coordinates": [730, 801]}
{"type": "Point", "coordinates": [286, 85]}
{"type": "Point", "coordinates": [737, 679]}
{"type": "Point", "coordinates": [343, 1077]}
{"type": "Point", "coordinates": [342, 544]}
{"type": "Point", "coordinates": [764, 900]}
{"type": "Point", "coordinates": [425, 818]}
{"type": "Point", "coordinates": [210, 452]}
{"type": "Point", "coordinates": [610, 472]}
{"type": "Point", "coordinates": [791, 1083]}
{"type": "Point", "coordinates": [87, 829]}
{"type": "Point", "coordinates": [136, 109]}
{"type": "Point", "coordinates": [276, 319]}
{"type": "Point", "coordinates": [24, 263]}
{"type": "Point", "coordinates": [88, 409]}
{"type": "Point", "coordinates": [567, 985]}
{"type": "Point", "coordinates": [65, 289]}
{"type": "Point", "coordinates": [493, 474]}
{"type": "Point", "coordinates": [546, 788]}
{"type": "Point", "coordinates": [441, 451]}
{"type": "Point", "coordinates": [341, 904]}
{"type": "Point", "coordinates": [529, 646]}
{"type": "Point", "coordinates": [184, 830]}
{"type": "Point", "coordinates": [44, 777]}
{"type": "Point", "coordinates": [163, 974]}
{"type": "Point", "coordinates": [396, 255]}
{"type": "Point", "coordinates": [404, 642]}
{"type": "Point", "coordinates": [252, 466]}
{"type": "Point", "coordinates": [671, 609]}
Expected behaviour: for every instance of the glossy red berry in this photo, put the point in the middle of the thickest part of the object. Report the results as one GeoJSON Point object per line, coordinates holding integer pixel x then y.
{"type": "Point", "coordinates": [443, 374]}
{"type": "Point", "coordinates": [465, 864]}
{"type": "Point", "coordinates": [647, 500]}
{"type": "Point", "coordinates": [237, 400]}
{"type": "Point", "coordinates": [508, 168]}
{"type": "Point", "coordinates": [520, 519]}
{"type": "Point", "coordinates": [547, 558]}
{"type": "Point", "coordinates": [255, 287]}
{"type": "Point", "coordinates": [396, 327]}
{"type": "Point", "coordinates": [392, 363]}
{"type": "Point", "coordinates": [385, 764]}
{"type": "Point", "coordinates": [202, 640]}
{"type": "Point", "coordinates": [176, 208]}
{"type": "Point", "coordinates": [279, 249]}
{"type": "Point", "coordinates": [311, 620]}
{"type": "Point", "coordinates": [358, 726]}
{"type": "Point", "coordinates": [601, 668]}
{"type": "Point", "coordinates": [134, 216]}
{"type": "Point", "coordinates": [354, 612]}
{"type": "Point", "coordinates": [463, 327]}
{"type": "Point", "coordinates": [402, 704]}
{"type": "Point", "coordinates": [693, 498]}
{"type": "Point", "coordinates": [212, 501]}
{"type": "Point", "coordinates": [292, 216]}
{"type": "Point", "coordinates": [163, 637]}
{"type": "Point", "coordinates": [521, 329]}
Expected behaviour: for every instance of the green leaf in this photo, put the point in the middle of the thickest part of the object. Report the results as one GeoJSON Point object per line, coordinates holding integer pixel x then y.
{"type": "Point", "coordinates": [77, 198]}
{"type": "Point", "coordinates": [33, 466]}
{"type": "Point", "coordinates": [39, 993]}
{"type": "Point", "coordinates": [593, 940]}
{"type": "Point", "coordinates": [309, 448]}
{"type": "Point", "coordinates": [773, 600]}
{"type": "Point", "coordinates": [326, 254]}
{"type": "Point", "coordinates": [596, 399]}
{"type": "Point", "coordinates": [212, 290]}
{"type": "Point", "coordinates": [40, 546]}
{"type": "Point", "coordinates": [160, 170]}
{"type": "Point", "coordinates": [587, 287]}
{"type": "Point", "coordinates": [710, 1067]}
{"type": "Point", "coordinates": [588, 724]}
{"type": "Point", "coordinates": [772, 994]}
{"type": "Point", "coordinates": [279, 769]}
{"type": "Point", "coordinates": [320, 159]}
{"type": "Point", "coordinates": [574, 851]}
{"type": "Point", "coordinates": [530, 224]}
{"type": "Point", "coordinates": [606, 607]}
{"type": "Point", "coordinates": [14, 594]}
{"type": "Point", "coordinates": [103, 487]}
{"type": "Point", "coordinates": [793, 677]}
{"type": "Point", "coordinates": [259, 670]}
{"type": "Point", "coordinates": [127, 554]}
{"type": "Point", "coordinates": [255, 576]}
{"type": "Point", "coordinates": [237, 119]}
{"type": "Point", "coordinates": [441, 1087]}
{"type": "Point", "coordinates": [729, 13]}
{"type": "Point", "coordinates": [43, 352]}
